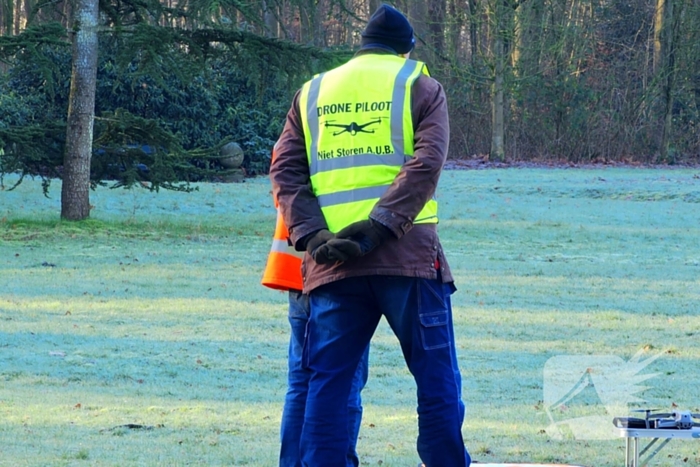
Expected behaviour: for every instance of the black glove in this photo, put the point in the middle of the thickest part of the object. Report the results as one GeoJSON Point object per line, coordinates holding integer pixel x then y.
{"type": "Point", "coordinates": [314, 240]}
{"type": "Point", "coordinates": [368, 233]}
{"type": "Point", "coordinates": [337, 250]}
{"type": "Point", "coordinates": [325, 248]}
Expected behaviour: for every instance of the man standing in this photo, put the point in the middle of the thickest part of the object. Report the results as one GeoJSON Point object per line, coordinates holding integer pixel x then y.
{"type": "Point", "coordinates": [355, 175]}
{"type": "Point", "coordinates": [283, 272]}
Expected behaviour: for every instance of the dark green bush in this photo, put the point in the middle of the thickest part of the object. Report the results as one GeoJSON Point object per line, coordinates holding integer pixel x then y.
{"type": "Point", "coordinates": [196, 101]}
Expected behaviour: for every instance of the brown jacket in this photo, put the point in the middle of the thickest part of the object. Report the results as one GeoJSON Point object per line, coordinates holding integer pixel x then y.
{"type": "Point", "coordinates": [416, 250]}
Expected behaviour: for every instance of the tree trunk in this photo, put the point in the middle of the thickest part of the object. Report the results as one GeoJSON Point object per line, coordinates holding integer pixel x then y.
{"type": "Point", "coordinates": [473, 31]}
{"type": "Point", "coordinates": [417, 14]}
{"type": "Point", "coordinates": [516, 49]}
{"type": "Point", "coordinates": [68, 9]}
{"type": "Point", "coordinates": [672, 17]}
{"type": "Point", "coordinates": [499, 56]}
{"type": "Point", "coordinates": [17, 16]}
{"type": "Point", "coordinates": [436, 25]}
{"type": "Point", "coordinates": [528, 44]}
{"type": "Point", "coordinates": [659, 20]}
{"type": "Point", "coordinates": [270, 19]}
{"type": "Point", "coordinates": [27, 7]}
{"type": "Point", "coordinates": [497, 102]}
{"type": "Point", "coordinates": [75, 191]}
{"type": "Point", "coordinates": [454, 27]}
{"type": "Point", "coordinates": [6, 13]}
{"type": "Point", "coordinates": [311, 33]}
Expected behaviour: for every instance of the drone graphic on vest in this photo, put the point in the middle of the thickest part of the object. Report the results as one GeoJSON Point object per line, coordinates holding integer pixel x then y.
{"type": "Point", "coordinates": [352, 128]}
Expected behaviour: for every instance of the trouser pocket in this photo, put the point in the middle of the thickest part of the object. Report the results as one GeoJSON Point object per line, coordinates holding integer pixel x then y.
{"type": "Point", "coordinates": [434, 315]}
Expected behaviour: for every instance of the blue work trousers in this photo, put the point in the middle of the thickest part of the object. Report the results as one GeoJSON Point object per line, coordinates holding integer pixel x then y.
{"type": "Point", "coordinates": [344, 316]}
{"type": "Point", "coordinates": [297, 389]}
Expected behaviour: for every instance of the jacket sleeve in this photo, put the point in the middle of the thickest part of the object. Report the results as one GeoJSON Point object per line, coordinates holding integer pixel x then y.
{"type": "Point", "coordinates": [417, 181]}
{"type": "Point", "coordinates": [291, 183]}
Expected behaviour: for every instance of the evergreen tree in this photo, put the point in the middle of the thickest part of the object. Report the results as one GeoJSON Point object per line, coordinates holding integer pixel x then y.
{"type": "Point", "coordinates": [171, 89]}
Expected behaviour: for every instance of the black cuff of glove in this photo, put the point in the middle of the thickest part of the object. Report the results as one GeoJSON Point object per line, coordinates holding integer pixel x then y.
{"type": "Point", "coordinates": [383, 232]}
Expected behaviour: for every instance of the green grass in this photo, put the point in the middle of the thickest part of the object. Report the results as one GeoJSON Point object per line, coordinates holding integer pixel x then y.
{"type": "Point", "coordinates": [151, 314]}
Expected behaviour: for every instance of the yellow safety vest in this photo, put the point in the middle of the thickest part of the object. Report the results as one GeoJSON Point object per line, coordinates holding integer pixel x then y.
{"type": "Point", "coordinates": [359, 132]}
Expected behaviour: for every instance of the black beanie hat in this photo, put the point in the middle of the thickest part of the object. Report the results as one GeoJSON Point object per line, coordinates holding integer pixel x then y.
{"type": "Point", "coordinates": [388, 27]}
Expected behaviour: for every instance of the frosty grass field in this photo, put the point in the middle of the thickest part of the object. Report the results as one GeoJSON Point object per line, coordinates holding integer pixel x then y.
{"type": "Point", "coordinates": [142, 336]}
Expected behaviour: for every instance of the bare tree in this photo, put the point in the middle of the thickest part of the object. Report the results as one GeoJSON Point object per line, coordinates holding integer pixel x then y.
{"type": "Point", "coordinates": [454, 23]}
{"type": "Point", "coordinates": [270, 19]}
{"type": "Point", "coordinates": [500, 25]}
{"type": "Point", "coordinates": [671, 37]}
{"type": "Point", "coordinates": [6, 17]}
{"type": "Point", "coordinates": [18, 17]}
{"type": "Point", "coordinates": [75, 191]}
{"type": "Point", "coordinates": [660, 14]}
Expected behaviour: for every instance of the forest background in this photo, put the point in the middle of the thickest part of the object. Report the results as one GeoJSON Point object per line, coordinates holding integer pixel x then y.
{"type": "Point", "coordinates": [566, 80]}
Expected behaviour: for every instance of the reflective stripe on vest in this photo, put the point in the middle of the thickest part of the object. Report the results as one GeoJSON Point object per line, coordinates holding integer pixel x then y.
{"type": "Point", "coordinates": [359, 132]}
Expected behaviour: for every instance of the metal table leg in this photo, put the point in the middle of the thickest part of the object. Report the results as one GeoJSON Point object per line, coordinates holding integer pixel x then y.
{"type": "Point", "coordinates": [632, 452]}
{"type": "Point", "coordinates": [656, 451]}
